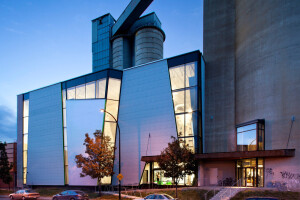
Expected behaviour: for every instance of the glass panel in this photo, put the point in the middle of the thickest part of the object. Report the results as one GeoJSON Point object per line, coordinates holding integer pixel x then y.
{"type": "Point", "coordinates": [65, 138]}
{"type": "Point", "coordinates": [25, 125]}
{"type": "Point", "coordinates": [178, 99]}
{"type": "Point", "coordinates": [113, 89]}
{"type": "Point", "coordinates": [110, 130]}
{"type": "Point", "coordinates": [80, 92]}
{"type": "Point", "coordinates": [26, 108]}
{"type": "Point", "coordinates": [177, 77]}
{"type": "Point", "coordinates": [246, 128]}
{"type": "Point", "coordinates": [24, 159]}
{"type": "Point", "coordinates": [100, 88]}
{"type": "Point", "coordinates": [25, 142]}
{"type": "Point", "coordinates": [189, 142]}
{"type": "Point", "coordinates": [191, 99]}
{"type": "Point", "coordinates": [90, 90]}
{"type": "Point", "coordinates": [66, 175]}
{"type": "Point", "coordinates": [190, 124]}
{"type": "Point", "coordinates": [246, 141]}
{"type": "Point", "coordinates": [66, 155]}
{"type": "Point", "coordinates": [65, 117]}
{"type": "Point", "coordinates": [71, 93]}
{"type": "Point", "coordinates": [64, 98]}
{"type": "Point", "coordinates": [146, 174]}
{"type": "Point", "coordinates": [112, 108]}
{"type": "Point", "coordinates": [190, 75]}
{"type": "Point", "coordinates": [180, 125]}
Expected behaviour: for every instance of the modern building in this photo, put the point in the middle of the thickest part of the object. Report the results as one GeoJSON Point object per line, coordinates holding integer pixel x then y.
{"type": "Point", "coordinates": [237, 111]}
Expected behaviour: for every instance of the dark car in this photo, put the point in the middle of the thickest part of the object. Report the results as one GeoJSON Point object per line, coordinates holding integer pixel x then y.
{"type": "Point", "coordinates": [24, 194]}
{"type": "Point", "coordinates": [158, 196]}
{"type": "Point", "coordinates": [71, 195]}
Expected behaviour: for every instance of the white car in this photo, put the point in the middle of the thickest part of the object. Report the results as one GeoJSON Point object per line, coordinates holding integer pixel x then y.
{"type": "Point", "coordinates": [158, 196]}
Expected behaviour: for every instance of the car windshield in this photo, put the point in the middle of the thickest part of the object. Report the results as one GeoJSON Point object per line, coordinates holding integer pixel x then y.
{"type": "Point", "coordinates": [29, 191]}
{"type": "Point", "coordinates": [168, 196]}
{"type": "Point", "coordinates": [80, 192]}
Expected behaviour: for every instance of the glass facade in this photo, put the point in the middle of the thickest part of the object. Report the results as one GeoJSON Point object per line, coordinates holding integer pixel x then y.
{"type": "Point", "coordinates": [186, 100]}
{"type": "Point", "coordinates": [250, 137]}
{"type": "Point", "coordinates": [25, 137]}
{"type": "Point", "coordinates": [250, 172]}
{"type": "Point", "coordinates": [107, 88]}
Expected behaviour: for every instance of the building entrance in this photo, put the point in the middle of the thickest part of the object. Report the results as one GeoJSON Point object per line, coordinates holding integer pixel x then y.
{"type": "Point", "coordinates": [250, 172]}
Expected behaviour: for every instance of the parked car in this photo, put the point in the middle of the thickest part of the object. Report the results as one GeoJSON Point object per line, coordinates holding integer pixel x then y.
{"type": "Point", "coordinates": [71, 195]}
{"type": "Point", "coordinates": [158, 196]}
{"type": "Point", "coordinates": [261, 198]}
{"type": "Point", "coordinates": [24, 194]}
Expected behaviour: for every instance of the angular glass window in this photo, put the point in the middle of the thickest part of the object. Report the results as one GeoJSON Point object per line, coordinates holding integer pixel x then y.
{"type": "Point", "coordinates": [177, 77]}
{"type": "Point", "coordinates": [178, 99]}
{"type": "Point", "coordinates": [91, 90]}
{"type": "Point", "coordinates": [190, 124]}
{"type": "Point", "coordinates": [25, 142]}
{"type": "Point", "coordinates": [80, 91]}
{"type": "Point", "coordinates": [25, 159]}
{"type": "Point", "coordinates": [114, 86]}
{"type": "Point", "coordinates": [110, 130]}
{"type": "Point", "coordinates": [64, 98]}
{"type": "Point", "coordinates": [180, 125]}
{"type": "Point", "coordinates": [190, 75]}
{"type": "Point", "coordinates": [65, 117]}
{"type": "Point", "coordinates": [112, 107]}
{"type": "Point", "coordinates": [191, 100]}
{"type": "Point", "coordinates": [26, 108]}
{"type": "Point", "coordinates": [71, 93]}
{"type": "Point", "coordinates": [65, 138]}
{"type": "Point", "coordinates": [246, 138]}
{"type": "Point", "coordinates": [25, 125]}
{"type": "Point", "coordinates": [100, 88]}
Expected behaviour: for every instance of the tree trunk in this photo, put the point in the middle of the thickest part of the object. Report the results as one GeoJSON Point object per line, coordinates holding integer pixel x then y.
{"type": "Point", "coordinates": [176, 189]}
{"type": "Point", "coordinates": [99, 185]}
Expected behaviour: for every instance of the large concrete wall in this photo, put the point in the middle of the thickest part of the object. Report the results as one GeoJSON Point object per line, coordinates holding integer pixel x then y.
{"type": "Point", "coordinates": [219, 50]}
{"type": "Point", "coordinates": [45, 137]}
{"type": "Point", "coordinates": [146, 106]}
{"type": "Point", "coordinates": [268, 74]}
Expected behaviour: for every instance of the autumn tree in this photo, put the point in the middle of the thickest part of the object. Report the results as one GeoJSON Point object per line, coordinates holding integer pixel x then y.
{"type": "Point", "coordinates": [99, 159]}
{"type": "Point", "coordinates": [5, 166]}
{"type": "Point", "coordinates": [177, 161]}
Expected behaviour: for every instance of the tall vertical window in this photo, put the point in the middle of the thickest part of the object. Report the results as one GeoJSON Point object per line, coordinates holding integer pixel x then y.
{"type": "Point", "coordinates": [184, 84]}
{"type": "Point", "coordinates": [25, 137]}
{"type": "Point", "coordinates": [64, 98]}
{"type": "Point", "coordinates": [250, 136]}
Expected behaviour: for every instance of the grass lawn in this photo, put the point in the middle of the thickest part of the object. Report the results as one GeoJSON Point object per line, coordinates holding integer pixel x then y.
{"type": "Point", "coordinates": [5, 192]}
{"type": "Point", "coordinates": [192, 194]}
{"type": "Point", "coordinates": [267, 193]}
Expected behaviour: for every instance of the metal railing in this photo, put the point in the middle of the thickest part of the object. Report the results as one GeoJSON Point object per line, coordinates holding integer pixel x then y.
{"type": "Point", "coordinates": [229, 189]}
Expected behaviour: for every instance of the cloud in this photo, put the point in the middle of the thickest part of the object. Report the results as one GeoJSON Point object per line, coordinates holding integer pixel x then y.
{"type": "Point", "coordinates": [8, 125]}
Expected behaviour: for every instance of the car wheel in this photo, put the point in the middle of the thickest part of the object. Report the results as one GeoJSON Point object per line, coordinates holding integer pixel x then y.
{"type": "Point", "coordinates": [54, 198]}
{"type": "Point", "coordinates": [11, 197]}
{"type": "Point", "coordinates": [72, 199]}
{"type": "Point", "coordinates": [23, 198]}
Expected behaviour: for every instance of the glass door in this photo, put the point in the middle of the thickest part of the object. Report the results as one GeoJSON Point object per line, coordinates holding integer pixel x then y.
{"type": "Point", "coordinates": [249, 176]}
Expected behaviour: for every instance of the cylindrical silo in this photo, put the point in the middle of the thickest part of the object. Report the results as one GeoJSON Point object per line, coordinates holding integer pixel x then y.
{"type": "Point", "coordinates": [117, 53]}
{"type": "Point", "coordinates": [148, 45]}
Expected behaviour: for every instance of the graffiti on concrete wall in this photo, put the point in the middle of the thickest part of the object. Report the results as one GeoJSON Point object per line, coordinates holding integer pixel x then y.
{"type": "Point", "coordinates": [269, 172]}
{"type": "Point", "coordinates": [284, 180]}
{"type": "Point", "coordinates": [289, 175]}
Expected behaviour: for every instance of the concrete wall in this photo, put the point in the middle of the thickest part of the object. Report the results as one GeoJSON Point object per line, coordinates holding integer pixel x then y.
{"type": "Point", "coordinates": [45, 137]}
{"type": "Point", "coordinates": [19, 140]}
{"type": "Point", "coordinates": [268, 75]}
{"type": "Point", "coordinates": [146, 106]}
{"type": "Point", "coordinates": [219, 55]}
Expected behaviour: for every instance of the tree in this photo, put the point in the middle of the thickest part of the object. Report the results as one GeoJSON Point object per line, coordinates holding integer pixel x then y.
{"type": "Point", "coordinates": [5, 166]}
{"type": "Point", "coordinates": [100, 157]}
{"type": "Point", "coordinates": [177, 161]}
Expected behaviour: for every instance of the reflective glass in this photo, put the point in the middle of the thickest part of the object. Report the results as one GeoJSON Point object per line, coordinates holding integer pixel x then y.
{"type": "Point", "coordinates": [190, 75]}
{"type": "Point", "coordinates": [110, 130]}
{"type": "Point", "coordinates": [112, 108]}
{"type": "Point", "coordinates": [80, 92]}
{"type": "Point", "coordinates": [113, 89]}
{"type": "Point", "coordinates": [246, 141]}
{"type": "Point", "coordinates": [177, 77]}
{"type": "Point", "coordinates": [25, 125]}
{"type": "Point", "coordinates": [100, 88]}
{"type": "Point", "coordinates": [66, 155]}
{"type": "Point", "coordinates": [65, 117]}
{"type": "Point", "coordinates": [24, 159]}
{"type": "Point", "coordinates": [71, 93]}
{"type": "Point", "coordinates": [26, 108]}
{"type": "Point", "coordinates": [178, 99]}
{"type": "Point", "coordinates": [246, 128]}
{"type": "Point", "coordinates": [25, 142]}
{"type": "Point", "coordinates": [191, 99]}
{"type": "Point", "coordinates": [191, 124]}
{"type": "Point", "coordinates": [65, 138]}
{"type": "Point", "coordinates": [180, 125]}
{"type": "Point", "coordinates": [189, 142]}
{"type": "Point", "coordinates": [90, 90]}
{"type": "Point", "coordinates": [64, 98]}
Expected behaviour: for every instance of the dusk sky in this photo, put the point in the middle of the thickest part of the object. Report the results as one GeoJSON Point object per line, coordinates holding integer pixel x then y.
{"type": "Point", "coordinates": [43, 42]}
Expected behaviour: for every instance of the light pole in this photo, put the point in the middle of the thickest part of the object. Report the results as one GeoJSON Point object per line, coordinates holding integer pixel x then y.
{"type": "Point", "coordinates": [104, 111]}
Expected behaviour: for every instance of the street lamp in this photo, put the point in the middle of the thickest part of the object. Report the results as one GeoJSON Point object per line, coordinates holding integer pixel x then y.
{"type": "Point", "coordinates": [104, 111]}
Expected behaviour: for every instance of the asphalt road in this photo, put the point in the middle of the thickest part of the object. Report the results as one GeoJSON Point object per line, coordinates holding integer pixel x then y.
{"type": "Point", "coordinates": [5, 197]}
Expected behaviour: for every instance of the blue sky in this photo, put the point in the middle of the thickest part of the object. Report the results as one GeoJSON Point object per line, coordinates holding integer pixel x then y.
{"type": "Point", "coordinates": [47, 41]}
